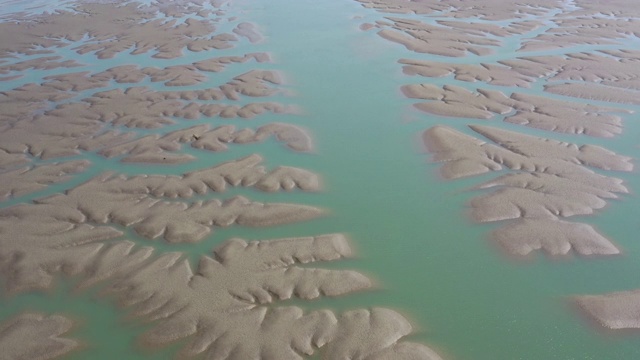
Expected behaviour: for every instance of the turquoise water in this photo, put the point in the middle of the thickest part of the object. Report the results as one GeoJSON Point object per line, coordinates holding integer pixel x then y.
{"type": "Point", "coordinates": [410, 228]}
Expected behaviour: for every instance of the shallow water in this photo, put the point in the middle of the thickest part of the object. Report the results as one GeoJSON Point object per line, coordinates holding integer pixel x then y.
{"type": "Point", "coordinates": [410, 228]}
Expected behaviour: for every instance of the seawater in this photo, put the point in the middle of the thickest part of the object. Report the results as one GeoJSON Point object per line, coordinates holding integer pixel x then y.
{"type": "Point", "coordinates": [410, 228]}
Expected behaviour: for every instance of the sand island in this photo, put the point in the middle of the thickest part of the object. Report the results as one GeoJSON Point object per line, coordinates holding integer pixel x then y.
{"type": "Point", "coordinates": [117, 144]}
{"type": "Point", "coordinates": [141, 99]}
{"type": "Point", "coordinates": [587, 77]}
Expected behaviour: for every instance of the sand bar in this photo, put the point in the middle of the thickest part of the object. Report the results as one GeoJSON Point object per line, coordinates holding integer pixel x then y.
{"type": "Point", "coordinates": [618, 310]}
{"type": "Point", "coordinates": [36, 337]}
{"type": "Point", "coordinates": [18, 182]}
{"type": "Point", "coordinates": [553, 181]}
{"type": "Point", "coordinates": [554, 237]}
{"type": "Point", "coordinates": [530, 110]}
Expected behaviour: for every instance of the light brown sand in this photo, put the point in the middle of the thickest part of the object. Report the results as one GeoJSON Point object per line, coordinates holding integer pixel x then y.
{"type": "Point", "coordinates": [131, 202]}
{"type": "Point", "coordinates": [248, 31]}
{"type": "Point", "coordinates": [236, 282]}
{"type": "Point", "coordinates": [489, 73]}
{"type": "Point", "coordinates": [218, 64]}
{"type": "Point", "coordinates": [41, 63]}
{"type": "Point", "coordinates": [233, 311]}
{"type": "Point", "coordinates": [109, 25]}
{"type": "Point", "coordinates": [480, 29]}
{"type": "Point", "coordinates": [487, 10]}
{"type": "Point", "coordinates": [618, 310]}
{"type": "Point", "coordinates": [554, 181]}
{"type": "Point", "coordinates": [566, 117]}
{"type": "Point", "coordinates": [423, 38]}
{"type": "Point", "coordinates": [538, 196]}
{"type": "Point", "coordinates": [463, 155]}
{"type": "Point", "coordinates": [530, 110]}
{"type": "Point", "coordinates": [35, 337]}
{"type": "Point", "coordinates": [80, 232]}
{"type": "Point", "coordinates": [596, 92]}
{"type": "Point", "coordinates": [555, 237]}
{"type": "Point", "coordinates": [589, 29]}
{"type": "Point", "coordinates": [163, 149]}
{"type": "Point", "coordinates": [78, 126]}
{"type": "Point", "coordinates": [25, 180]}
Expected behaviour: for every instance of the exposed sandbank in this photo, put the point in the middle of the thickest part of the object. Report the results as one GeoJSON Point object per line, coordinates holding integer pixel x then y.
{"type": "Point", "coordinates": [36, 337]}
{"type": "Point", "coordinates": [618, 310]}
{"type": "Point", "coordinates": [554, 237]}
{"type": "Point", "coordinates": [530, 110]}
{"type": "Point", "coordinates": [554, 181]}
{"type": "Point", "coordinates": [25, 180]}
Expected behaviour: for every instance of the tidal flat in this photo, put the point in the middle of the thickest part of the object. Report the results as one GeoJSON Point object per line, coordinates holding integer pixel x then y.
{"type": "Point", "coordinates": [370, 179]}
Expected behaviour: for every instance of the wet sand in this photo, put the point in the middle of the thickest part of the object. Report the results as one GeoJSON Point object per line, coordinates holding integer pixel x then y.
{"type": "Point", "coordinates": [34, 336]}
{"type": "Point", "coordinates": [226, 305]}
{"type": "Point", "coordinates": [145, 114]}
{"type": "Point", "coordinates": [547, 180]}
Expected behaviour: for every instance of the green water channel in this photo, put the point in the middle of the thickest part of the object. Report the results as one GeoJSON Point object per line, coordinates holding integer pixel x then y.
{"type": "Point", "coordinates": [411, 231]}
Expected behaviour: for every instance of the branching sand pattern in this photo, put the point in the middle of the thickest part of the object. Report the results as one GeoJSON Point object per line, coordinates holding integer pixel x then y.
{"type": "Point", "coordinates": [552, 182]}
{"type": "Point", "coordinates": [37, 337]}
{"type": "Point", "coordinates": [221, 302]}
{"type": "Point", "coordinates": [227, 306]}
{"type": "Point", "coordinates": [254, 275]}
{"type": "Point", "coordinates": [15, 183]}
{"type": "Point", "coordinates": [589, 57]}
{"type": "Point", "coordinates": [527, 195]}
{"type": "Point", "coordinates": [529, 110]}
{"type": "Point", "coordinates": [134, 202]}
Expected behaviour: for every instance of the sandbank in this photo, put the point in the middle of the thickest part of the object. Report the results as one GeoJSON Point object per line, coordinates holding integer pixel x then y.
{"type": "Point", "coordinates": [36, 337]}
{"type": "Point", "coordinates": [232, 295]}
{"type": "Point", "coordinates": [618, 310]}
{"type": "Point", "coordinates": [553, 181]}
{"type": "Point", "coordinates": [530, 110]}
{"type": "Point", "coordinates": [25, 180]}
{"type": "Point", "coordinates": [554, 237]}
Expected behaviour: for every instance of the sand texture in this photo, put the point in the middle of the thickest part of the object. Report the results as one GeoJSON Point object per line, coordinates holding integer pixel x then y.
{"type": "Point", "coordinates": [463, 155]}
{"type": "Point", "coordinates": [248, 31]}
{"type": "Point", "coordinates": [489, 73]}
{"type": "Point", "coordinates": [22, 181]}
{"type": "Point", "coordinates": [73, 128]}
{"type": "Point", "coordinates": [528, 110]}
{"type": "Point", "coordinates": [235, 308]}
{"type": "Point", "coordinates": [39, 242]}
{"type": "Point", "coordinates": [218, 64]}
{"type": "Point", "coordinates": [590, 27]}
{"type": "Point", "coordinates": [546, 180]}
{"type": "Point", "coordinates": [487, 10]}
{"type": "Point", "coordinates": [238, 281]}
{"type": "Point", "coordinates": [164, 149]}
{"type": "Point", "coordinates": [41, 63]}
{"type": "Point", "coordinates": [574, 71]}
{"type": "Point", "coordinates": [594, 92]}
{"type": "Point", "coordinates": [555, 237]}
{"type": "Point", "coordinates": [146, 112]}
{"type": "Point", "coordinates": [618, 310]}
{"type": "Point", "coordinates": [553, 181]}
{"type": "Point", "coordinates": [143, 202]}
{"type": "Point", "coordinates": [424, 38]}
{"type": "Point", "coordinates": [109, 26]}
{"type": "Point", "coordinates": [31, 336]}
